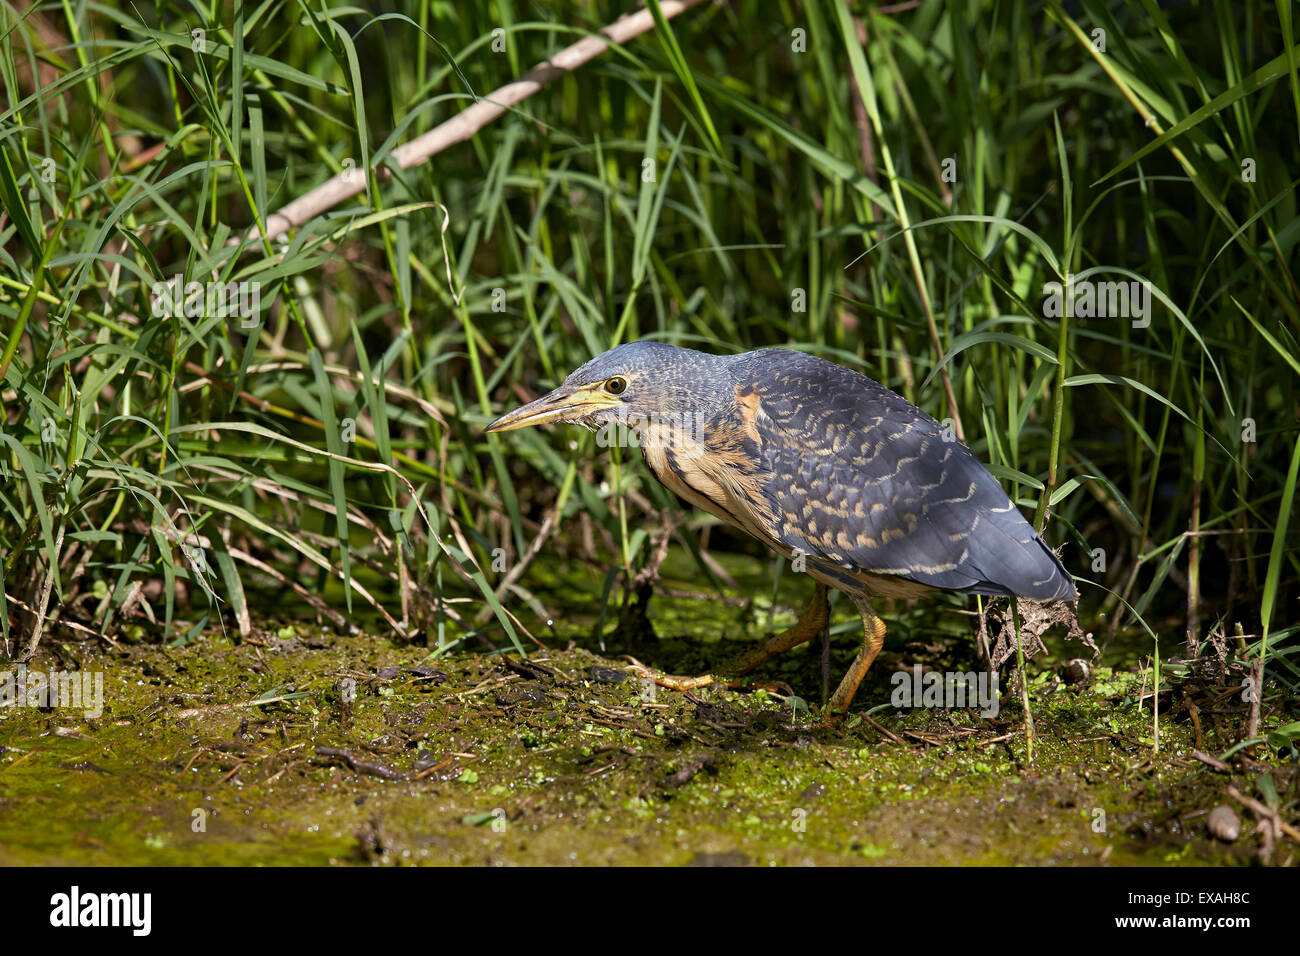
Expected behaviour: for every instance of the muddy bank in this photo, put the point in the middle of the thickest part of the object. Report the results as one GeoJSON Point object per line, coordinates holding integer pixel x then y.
{"type": "Point", "coordinates": [305, 746]}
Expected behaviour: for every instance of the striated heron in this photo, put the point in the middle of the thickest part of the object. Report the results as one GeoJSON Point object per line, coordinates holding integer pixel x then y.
{"type": "Point", "coordinates": [821, 464]}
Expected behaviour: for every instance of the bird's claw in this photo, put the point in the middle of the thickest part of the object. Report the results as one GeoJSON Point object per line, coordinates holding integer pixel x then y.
{"type": "Point", "coordinates": [671, 681]}
{"type": "Point", "coordinates": [737, 682]}
{"type": "Point", "coordinates": [830, 719]}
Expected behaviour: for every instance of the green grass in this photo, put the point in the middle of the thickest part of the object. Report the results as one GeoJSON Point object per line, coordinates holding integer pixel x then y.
{"type": "Point", "coordinates": [896, 206]}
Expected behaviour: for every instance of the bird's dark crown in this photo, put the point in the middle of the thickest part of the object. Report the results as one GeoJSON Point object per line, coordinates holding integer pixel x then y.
{"type": "Point", "coordinates": [661, 379]}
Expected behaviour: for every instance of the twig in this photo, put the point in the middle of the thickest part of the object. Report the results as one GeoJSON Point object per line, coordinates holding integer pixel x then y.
{"type": "Point", "coordinates": [1265, 813]}
{"type": "Point", "coordinates": [1257, 692]}
{"type": "Point", "coordinates": [1211, 761]}
{"type": "Point", "coordinates": [884, 730]}
{"type": "Point", "coordinates": [60, 622]}
{"type": "Point", "coordinates": [465, 124]}
{"type": "Point", "coordinates": [218, 708]}
{"type": "Point", "coordinates": [513, 575]}
{"type": "Point", "coordinates": [382, 771]}
{"type": "Point", "coordinates": [44, 602]}
{"type": "Point", "coordinates": [1024, 683]}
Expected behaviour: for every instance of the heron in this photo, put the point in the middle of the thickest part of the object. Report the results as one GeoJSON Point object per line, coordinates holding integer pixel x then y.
{"type": "Point", "coordinates": [871, 495]}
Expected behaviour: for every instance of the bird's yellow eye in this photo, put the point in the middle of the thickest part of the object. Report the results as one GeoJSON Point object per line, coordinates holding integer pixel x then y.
{"type": "Point", "coordinates": [616, 385]}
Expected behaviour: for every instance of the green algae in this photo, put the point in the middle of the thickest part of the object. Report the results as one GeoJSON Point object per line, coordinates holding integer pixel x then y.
{"type": "Point", "coordinates": [302, 746]}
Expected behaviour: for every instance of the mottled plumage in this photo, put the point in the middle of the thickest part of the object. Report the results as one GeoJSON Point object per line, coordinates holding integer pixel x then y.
{"type": "Point", "coordinates": [864, 479]}
{"type": "Point", "coordinates": [817, 461]}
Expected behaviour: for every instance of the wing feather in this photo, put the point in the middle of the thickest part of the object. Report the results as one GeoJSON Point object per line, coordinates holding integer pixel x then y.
{"type": "Point", "coordinates": [857, 476]}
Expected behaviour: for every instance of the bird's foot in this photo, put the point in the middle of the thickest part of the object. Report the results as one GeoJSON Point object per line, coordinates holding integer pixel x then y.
{"type": "Point", "coordinates": [837, 708]}
{"type": "Point", "coordinates": [671, 680]}
{"type": "Point", "coordinates": [733, 682]}
{"type": "Point", "coordinates": [830, 719]}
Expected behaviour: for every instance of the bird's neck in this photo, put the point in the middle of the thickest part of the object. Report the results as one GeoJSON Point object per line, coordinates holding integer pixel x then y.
{"type": "Point", "coordinates": [704, 466]}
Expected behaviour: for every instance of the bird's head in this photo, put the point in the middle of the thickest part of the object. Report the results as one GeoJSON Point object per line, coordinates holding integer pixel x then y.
{"type": "Point", "coordinates": [631, 385]}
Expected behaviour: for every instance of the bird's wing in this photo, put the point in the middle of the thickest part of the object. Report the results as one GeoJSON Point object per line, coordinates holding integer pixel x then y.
{"type": "Point", "coordinates": [858, 476]}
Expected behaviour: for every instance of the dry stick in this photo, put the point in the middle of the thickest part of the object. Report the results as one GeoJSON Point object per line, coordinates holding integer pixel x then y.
{"type": "Point", "coordinates": [885, 730]}
{"type": "Point", "coordinates": [1211, 761]}
{"type": "Point", "coordinates": [219, 708]}
{"type": "Point", "coordinates": [60, 622]}
{"type": "Point", "coordinates": [43, 604]}
{"type": "Point", "coordinates": [465, 124]}
{"type": "Point", "coordinates": [1024, 683]}
{"type": "Point", "coordinates": [343, 371]}
{"type": "Point", "coordinates": [650, 573]}
{"type": "Point", "coordinates": [1194, 573]}
{"type": "Point", "coordinates": [1264, 812]}
{"type": "Point", "coordinates": [1256, 693]}
{"type": "Point", "coordinates": [515, 573]}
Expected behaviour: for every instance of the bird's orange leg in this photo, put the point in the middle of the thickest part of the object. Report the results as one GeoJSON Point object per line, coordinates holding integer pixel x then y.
{"type": "Point", "coordinates": [811, 621]}
{"type": "Point", "coordinates": [873, 639]}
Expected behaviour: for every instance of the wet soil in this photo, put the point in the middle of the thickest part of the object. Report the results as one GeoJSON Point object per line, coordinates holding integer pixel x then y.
{"type": "Point", "coordinates": [304, 746]}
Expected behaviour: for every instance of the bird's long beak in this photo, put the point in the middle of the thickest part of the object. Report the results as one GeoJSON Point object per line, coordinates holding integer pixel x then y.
{"type": "Point", "coordinates": [563, 404]}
